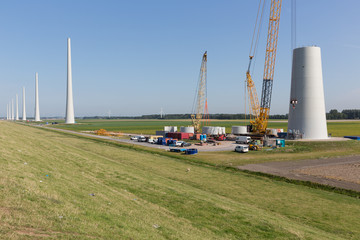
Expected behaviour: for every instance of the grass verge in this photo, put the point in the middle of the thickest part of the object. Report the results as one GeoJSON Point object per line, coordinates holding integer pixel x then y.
{"type": "Point", "coordinates": [59, 186]}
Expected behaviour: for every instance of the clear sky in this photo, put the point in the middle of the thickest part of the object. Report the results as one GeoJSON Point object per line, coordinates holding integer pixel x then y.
{"type": "Point", "coordinates": [134, 57]}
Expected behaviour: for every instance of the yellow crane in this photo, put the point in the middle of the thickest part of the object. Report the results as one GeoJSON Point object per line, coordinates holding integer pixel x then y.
{"type": "Point", "coordinates": [200, 108]}
{"type": "Point", "coordinates": [261, 111]}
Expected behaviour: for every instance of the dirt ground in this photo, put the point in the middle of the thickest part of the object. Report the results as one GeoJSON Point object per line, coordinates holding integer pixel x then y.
{"type": "Point", "coordinates": [341, 172]}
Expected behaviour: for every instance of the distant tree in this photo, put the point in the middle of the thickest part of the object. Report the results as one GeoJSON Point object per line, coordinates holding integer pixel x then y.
{"type": "Point", "coordinates": [334, 114]}
{"type": "Point", "coordinates": [351, 113]}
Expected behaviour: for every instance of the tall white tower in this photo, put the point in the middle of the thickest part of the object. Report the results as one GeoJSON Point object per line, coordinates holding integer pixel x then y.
{"type": "Point", "coordinates": [23, 106]}
{"type": "Point", "coordinates": [7, 111]}
{"type": "Point", "coordinates": [37, 108]}
{"type": "Point", "coordinates": [307, 115]}
{"type": "Point", "coordinates": [17, 108]}
{"type": "Point", "coordinates": [69, 118]}
{"type": "Point", "coordinates": [12, 109]}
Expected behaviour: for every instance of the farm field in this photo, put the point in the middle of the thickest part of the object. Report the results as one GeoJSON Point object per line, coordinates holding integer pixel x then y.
{"type": "Point", "coordinates": [65, 187]}
{"type": "Point", "coordinates": [336, 128]}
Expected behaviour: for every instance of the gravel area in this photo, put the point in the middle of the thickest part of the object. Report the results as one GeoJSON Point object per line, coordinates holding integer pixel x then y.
{"type": "Point", "coordinates": [342, 172]}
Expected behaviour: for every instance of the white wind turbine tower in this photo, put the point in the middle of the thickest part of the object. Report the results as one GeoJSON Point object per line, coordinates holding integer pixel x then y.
{"type": "Point", "coordinates": [37, 108]}
{"type": "Point", "coordinates": [24, 110]}
{"type": "Point", "coordinates": [17, 108]}
{"type": "Point", "coordinates": [69, 118]}
{"type": "Point", "coordinates": [12, 109]}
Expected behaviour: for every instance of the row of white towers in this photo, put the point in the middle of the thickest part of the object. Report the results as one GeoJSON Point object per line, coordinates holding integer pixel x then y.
{"type": "Point", "coordinates": [69, 117]}
{"type": "Point", "coordinates": [10, 109]}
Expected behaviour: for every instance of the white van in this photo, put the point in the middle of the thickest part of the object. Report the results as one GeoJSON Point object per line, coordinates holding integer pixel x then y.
{"type": "Point", "coordinates": [242, 148]}
{"type": "Point", "coordinates": [243, 139]}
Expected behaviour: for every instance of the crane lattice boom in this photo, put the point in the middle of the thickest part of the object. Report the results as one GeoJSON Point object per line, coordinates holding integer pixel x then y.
{"type": "Point", "coordinates": [261, 112]}
{"type": "Point", "coordinates": [200, 103]}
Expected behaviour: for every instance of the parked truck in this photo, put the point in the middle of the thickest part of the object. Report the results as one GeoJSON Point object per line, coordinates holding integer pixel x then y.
{"type": "Point", "coordinates": [243, 139]}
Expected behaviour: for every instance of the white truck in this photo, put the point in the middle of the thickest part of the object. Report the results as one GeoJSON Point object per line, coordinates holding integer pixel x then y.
{"type": "Point", "coordinates": [243, 139]}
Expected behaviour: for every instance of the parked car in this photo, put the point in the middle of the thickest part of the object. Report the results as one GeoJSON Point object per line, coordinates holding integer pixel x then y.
{"type": "Point", "coordinates": [134, 138]}
{"type": "Point", "coordinates": [242, 148]}
{"type": "Point", "coordinates": [179, 143]}
{"type": "Point", "coordinates": [151, 140]}
{"type": "Point", "coordinates": [141, 139]}
{"type": "Point", "coordinates": [186, 144]}
{"type": "Point", "coordinates": [243, 139]}
{"type": "Point", "coordinates": [182, 144]}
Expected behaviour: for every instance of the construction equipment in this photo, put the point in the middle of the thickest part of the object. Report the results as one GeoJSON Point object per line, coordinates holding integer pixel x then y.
{"type": "Point", "coordinates": [220, 137]}
{"type": "Point", "coordinates": [261, 111]}
{"type": "Point", "coordinates": [253, 145]}
{"type": "Point", "coordinates": [200, 111]}
{"type": "Point", "coordinates": [102, 132]}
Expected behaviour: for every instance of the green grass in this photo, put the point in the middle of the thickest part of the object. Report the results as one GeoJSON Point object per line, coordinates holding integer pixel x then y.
{"type": "Point", "coordinates": [337, 129]}
{"type": "Point", "coordinates": [292, 151]}
{"type": "Point", "coordinates": [344, 128]}
{"type": "Point", "coordinates": [136, 189]}
{"type": "Point", "coordinates": [146, 126]}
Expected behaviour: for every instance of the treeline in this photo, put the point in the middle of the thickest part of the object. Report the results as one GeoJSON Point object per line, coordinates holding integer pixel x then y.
{"type": "Point", "coordinates": [188, 116]}
{"type": "Point", "coordinates": [333, 114]}
{"type": "Point", "coordinates": [344, 114]}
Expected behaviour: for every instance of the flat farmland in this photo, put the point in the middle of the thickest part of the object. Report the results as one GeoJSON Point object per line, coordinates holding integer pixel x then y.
{"type": "Point", "coordinates": [61, 186]}
{"type": "Point", "coordinates": [336, 128]}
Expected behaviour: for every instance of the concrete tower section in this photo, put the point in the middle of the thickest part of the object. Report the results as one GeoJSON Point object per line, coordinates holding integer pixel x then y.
{"type": "Point", "coordinates": [9, 105]}
{"type": "Point", "coordinates": [69, 118]}
{"type": "Point", "coordinates": [12, 109]}
{"type": "Point", "coordinates": [17, 108]}
{"type": "Point", "coordinates": [7, 111]}
{"type": "Point", "coordinates": [307, 116]}
{"type": "Point", "coordinates": [37, 108]}
{"type": "Point", "coordinates": [23, 106]}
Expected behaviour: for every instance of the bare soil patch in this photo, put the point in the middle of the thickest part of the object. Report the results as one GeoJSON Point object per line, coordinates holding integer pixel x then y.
{"type": "Point", "coordinates": [341, 172]}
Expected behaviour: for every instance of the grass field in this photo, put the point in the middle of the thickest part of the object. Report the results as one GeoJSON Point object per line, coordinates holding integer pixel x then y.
{"type": "Point", "coordinates": [66, 187]}
{"type": "Point", "coordinates": [337, 129]}
{"type": "Point", "coordinates": [293, 151]}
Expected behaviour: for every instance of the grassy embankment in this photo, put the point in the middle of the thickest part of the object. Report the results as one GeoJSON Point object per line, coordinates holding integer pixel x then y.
{"type": "Point", "coordinates": [71, 187]}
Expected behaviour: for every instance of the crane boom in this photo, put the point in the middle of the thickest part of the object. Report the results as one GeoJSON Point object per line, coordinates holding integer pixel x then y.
{"type": "Point", "coordinates": [261, 112]}
{"type": "Point", "coordinates": [200, 103]}
{"type": "Point", "coordinates": [270, 56]}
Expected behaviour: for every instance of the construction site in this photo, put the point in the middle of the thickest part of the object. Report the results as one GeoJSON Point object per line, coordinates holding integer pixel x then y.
{"type": "Point", "coordinates": [307, 115]}
{"type": "Point", "coordinates": [253, 154]}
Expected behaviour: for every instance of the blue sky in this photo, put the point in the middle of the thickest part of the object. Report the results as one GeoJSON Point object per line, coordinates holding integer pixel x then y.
{"type": "Point", "coordinates": [134, 57]}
